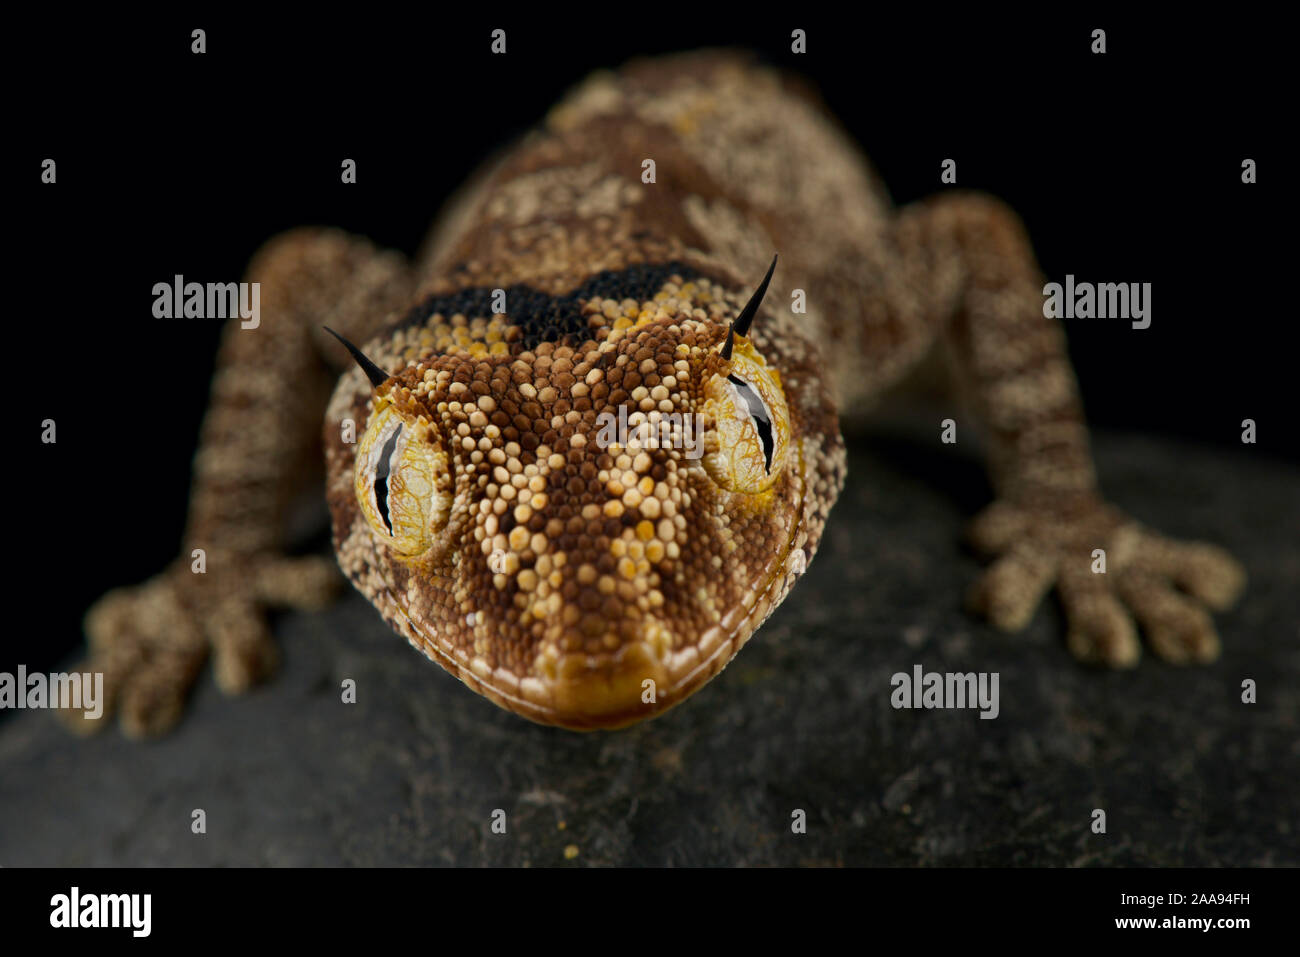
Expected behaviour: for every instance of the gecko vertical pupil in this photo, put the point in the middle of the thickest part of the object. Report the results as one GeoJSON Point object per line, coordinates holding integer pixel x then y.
{"type": "Point", "coordinates": [757, 412]}
{"type": "Point", "coordinates": [383, 469]}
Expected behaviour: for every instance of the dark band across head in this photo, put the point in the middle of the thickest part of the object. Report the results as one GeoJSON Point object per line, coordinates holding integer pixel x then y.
{"type": "Point", "coordinates": [376, 375]}
{"type": "Point", "coordinates": [746, 318]}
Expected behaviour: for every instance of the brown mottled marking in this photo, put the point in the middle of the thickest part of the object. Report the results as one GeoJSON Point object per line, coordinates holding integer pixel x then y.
{"type": "Point", "coordinates": [481, 511]}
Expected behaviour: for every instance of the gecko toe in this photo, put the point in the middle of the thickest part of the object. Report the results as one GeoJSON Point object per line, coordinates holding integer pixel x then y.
{"type": "Point", "coordinates": [79, 720]}
{"type": "Point", "coordinates": [308, 583]}
{"type": "Point", "coordinates": [997, 527]}
{"type": "Point", "coordinates": [154, 697]}
{"type": "Point", "coordinates": [244, 652]}
{"type": "Point", "coordinates": [1204, 571]}
{"type": "Point", "coordinates": [1100, 631]}
{"type": "Point", "coordinates": [1010, 590]}
{"type": "Point", "coordinates": [1177, 628]}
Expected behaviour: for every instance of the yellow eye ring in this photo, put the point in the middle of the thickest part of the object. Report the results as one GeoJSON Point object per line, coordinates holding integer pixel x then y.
{"type": "Point", "coordinates": [402, 482]}
{"type": "Point", "coordinates": [752, 422]}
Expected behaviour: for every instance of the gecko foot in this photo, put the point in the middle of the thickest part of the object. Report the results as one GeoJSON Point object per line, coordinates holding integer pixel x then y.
{"type": "Point", "coordinates": [1168, 586]}
{"type": "Point", "coordinates": [150, 641]}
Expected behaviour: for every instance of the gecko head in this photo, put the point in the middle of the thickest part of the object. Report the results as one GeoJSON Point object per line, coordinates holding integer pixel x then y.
{"type": "Point", "coordinates": [584, 533]}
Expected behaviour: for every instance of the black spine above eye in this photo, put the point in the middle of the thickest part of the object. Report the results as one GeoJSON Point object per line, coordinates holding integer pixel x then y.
{"type": "Point", "coordinates": [382, 472]}
{"type": "Point", "coordinates": [757, 412]}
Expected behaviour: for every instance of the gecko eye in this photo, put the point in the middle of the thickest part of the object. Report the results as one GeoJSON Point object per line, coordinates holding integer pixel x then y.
{"type": "Point", "coordinates": [403, 482]}
{"type": "Point", "coordinates": [752, 423]}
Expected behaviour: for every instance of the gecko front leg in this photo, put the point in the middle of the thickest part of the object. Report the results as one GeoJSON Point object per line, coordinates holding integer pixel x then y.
{"type": "Point", "coordinates": [985, 290]}
{"type": "Point", "coordinates": [262, 426]}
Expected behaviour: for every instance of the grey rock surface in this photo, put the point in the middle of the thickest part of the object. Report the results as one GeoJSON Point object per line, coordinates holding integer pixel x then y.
{"type": "Point", "coordinates": [411, 774]}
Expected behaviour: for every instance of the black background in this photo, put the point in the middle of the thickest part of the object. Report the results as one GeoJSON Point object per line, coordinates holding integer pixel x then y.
{"type": "Point", "coordinates": [1125, 167]}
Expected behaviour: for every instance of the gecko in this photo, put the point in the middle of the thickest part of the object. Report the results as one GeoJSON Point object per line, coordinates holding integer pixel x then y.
{"type": "Point", "coordinates": [618, 261]}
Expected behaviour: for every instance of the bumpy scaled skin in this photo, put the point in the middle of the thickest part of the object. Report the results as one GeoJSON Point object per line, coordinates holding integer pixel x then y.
{"type": "Point", "coordinates": [556, 573]}
{"type": "Point", "coordinates": [474, 500]}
